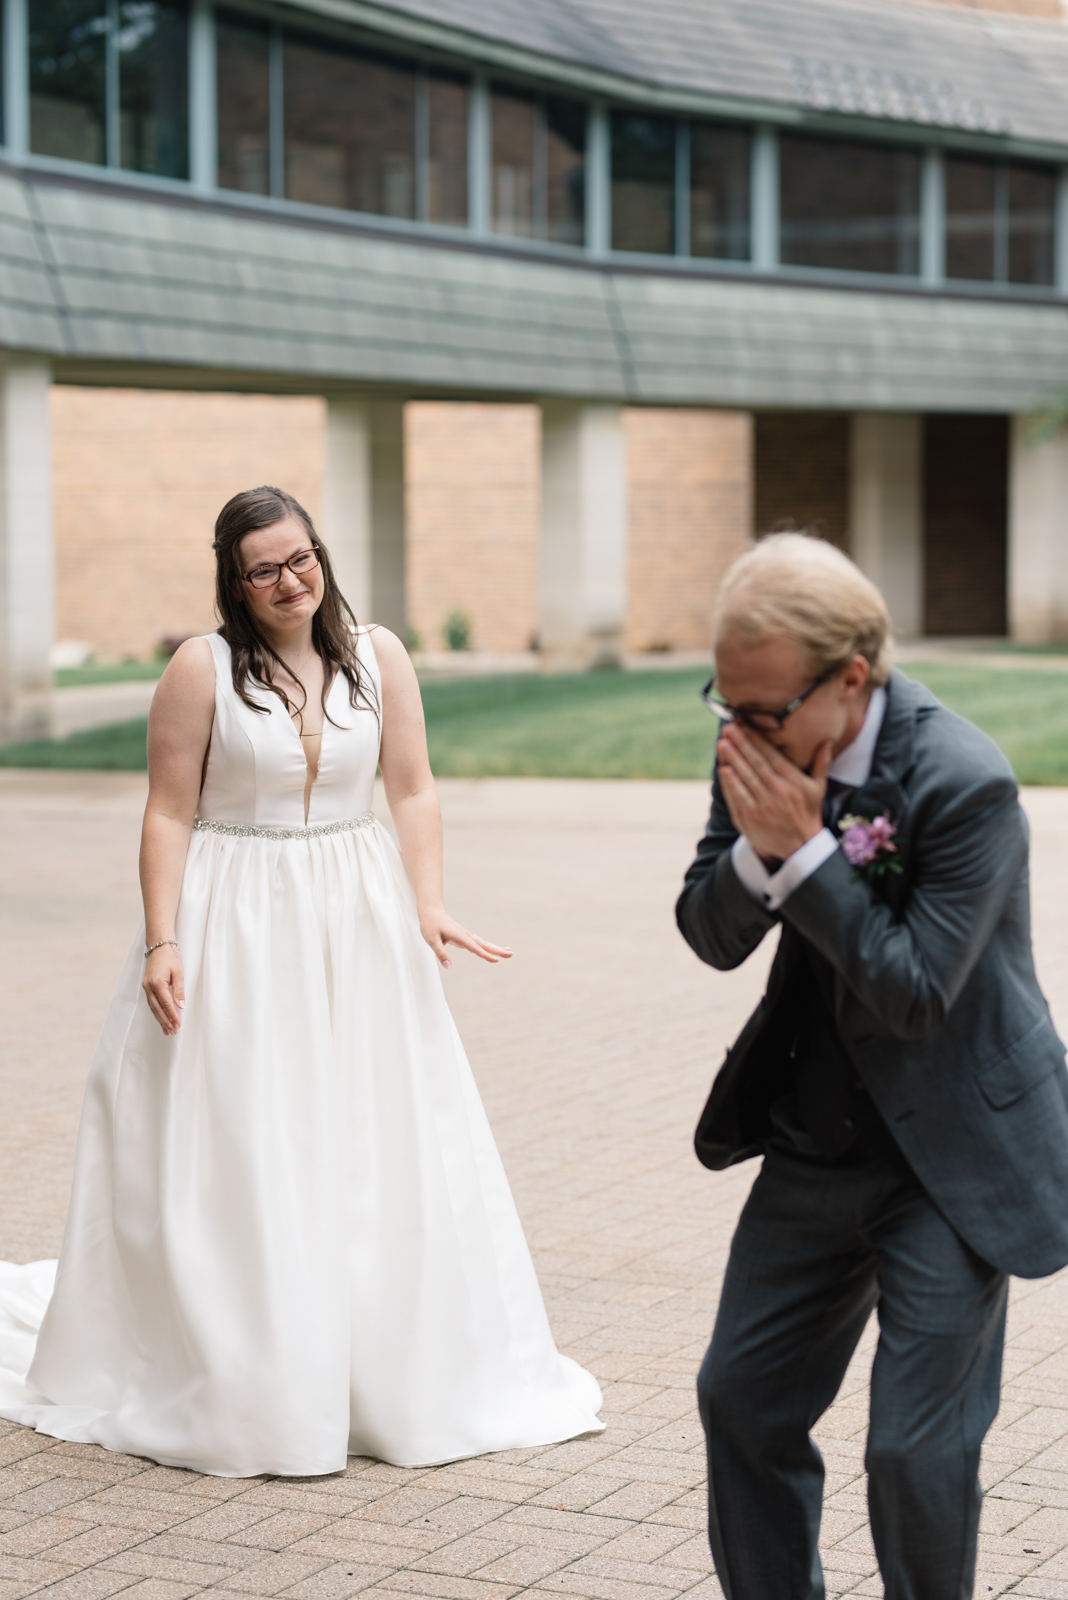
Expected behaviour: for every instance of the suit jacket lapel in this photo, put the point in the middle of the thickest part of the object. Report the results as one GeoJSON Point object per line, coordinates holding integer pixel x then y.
{"type": "Point", "coordinates": [882, 792]}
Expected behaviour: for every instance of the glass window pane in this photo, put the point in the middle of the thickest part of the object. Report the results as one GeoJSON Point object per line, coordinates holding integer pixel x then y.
{"type": "Point", "coordinates": [243, 80]}
{"type": "Point", "coordinates": [513, 119]}
{"type": "Point", "coordinates": [447, 150]}
{"type": "Point", "coordinates": [719, 191]}
{"type": "Point", "coordinates": [643, 183]}
{"type": "Point", "coordinates": [1032, 204]}
{"type": "Point", "coordinates": [565, 170]}
{"type": "Point", "coordinates": [349, 129]}
{"type": "Point", "coordinates": [854, 207]}
{"type": "Point", "coordinates": [153, 45]}
{"type": "Point", "coordinates": [971, 205]}
{"type": "Point", "coordinates": [67, 73]}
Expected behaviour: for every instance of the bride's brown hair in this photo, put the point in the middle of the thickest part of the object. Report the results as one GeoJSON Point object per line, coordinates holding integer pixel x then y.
{"type": "Point", "coordinates": [333, 625]}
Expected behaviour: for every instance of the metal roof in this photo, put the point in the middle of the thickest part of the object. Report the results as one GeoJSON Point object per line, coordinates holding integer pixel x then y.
{"type": "Point", "coordinates": [898, 61]}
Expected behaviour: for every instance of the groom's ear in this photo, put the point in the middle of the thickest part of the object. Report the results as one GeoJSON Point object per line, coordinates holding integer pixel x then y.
{"type": "Point", "coordinates": [856, 675]}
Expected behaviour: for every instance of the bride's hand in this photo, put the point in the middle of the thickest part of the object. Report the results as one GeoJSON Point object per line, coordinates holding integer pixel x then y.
{"type": "Point", "coordinates": [439, 930]}
{"type": "Point", "coordinates": [164, 984]}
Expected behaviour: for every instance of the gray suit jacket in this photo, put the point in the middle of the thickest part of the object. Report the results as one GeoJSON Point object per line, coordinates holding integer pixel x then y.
{"type": "Point", "coordinates": [936, 998]}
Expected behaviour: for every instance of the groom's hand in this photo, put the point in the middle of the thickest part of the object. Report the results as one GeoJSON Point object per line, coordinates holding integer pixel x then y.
{"type": "Point", "coordinates": [772, 802]}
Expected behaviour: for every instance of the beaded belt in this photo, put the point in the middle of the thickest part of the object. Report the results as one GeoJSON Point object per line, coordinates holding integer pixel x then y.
{"type": "Point", "coordinates": [246, 830]}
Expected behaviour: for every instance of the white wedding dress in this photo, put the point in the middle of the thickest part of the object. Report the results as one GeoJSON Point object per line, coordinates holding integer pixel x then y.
{"type": "Point", "coordinates": [290, 1236]}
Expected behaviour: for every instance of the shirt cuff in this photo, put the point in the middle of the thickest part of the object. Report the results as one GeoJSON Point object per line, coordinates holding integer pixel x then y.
{"type": "Point", "coordinates": [772, 888]}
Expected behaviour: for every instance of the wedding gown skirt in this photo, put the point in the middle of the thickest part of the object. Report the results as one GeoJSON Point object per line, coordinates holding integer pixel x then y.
{"type": "Point", "coordinates": [291, 1237]}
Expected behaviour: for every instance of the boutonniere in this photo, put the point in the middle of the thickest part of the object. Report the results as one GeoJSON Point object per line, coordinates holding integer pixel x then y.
{"type": "Point", "coordinates": [868, 845]}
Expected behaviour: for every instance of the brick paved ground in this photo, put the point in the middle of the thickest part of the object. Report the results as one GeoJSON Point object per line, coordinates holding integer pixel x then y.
{"type": "Point", "coordinates": [593, 1052]}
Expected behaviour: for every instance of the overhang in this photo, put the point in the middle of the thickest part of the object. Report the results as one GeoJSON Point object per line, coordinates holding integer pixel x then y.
{"type": "Point", "coordinates": [135, 288]}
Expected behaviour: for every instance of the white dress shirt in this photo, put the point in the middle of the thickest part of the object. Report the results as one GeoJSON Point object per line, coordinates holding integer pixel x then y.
{"type": "Point", "coordinates": [852, 766]}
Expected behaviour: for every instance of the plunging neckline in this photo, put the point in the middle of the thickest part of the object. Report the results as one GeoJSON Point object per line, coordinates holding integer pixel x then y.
{"type": "Point", "coordinates": [309, 788]}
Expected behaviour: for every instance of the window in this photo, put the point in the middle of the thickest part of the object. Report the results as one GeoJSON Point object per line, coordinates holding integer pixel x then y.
{"type": "Point", "coordinates": [361, 132]}
{"type": "Point", "coordinates": [720, 160]}
{"type": "Point", "coordinates": [512, 120]}
{"type": "Point", "coordinates": [971, 218]}
{"type": "Point", "coordinates": [349, 129]}
{"type": "Point", "coordinates": [565, 170]}
{"type": "Point", "coordinates": [143, 99]}
{"type": "Point", "coordinates": [68, 72]}
{"type": "Point", "coordinates": [446, 150]}
{"type": "Point", "coordinates": [1032, 207]}
{"type": "Point", "coordinates": [242, 72]}
{"type": "Point", "coordinates": [855, 207]}
{"type": "Point", "coordinates": [999, 220]}
{"type": "Point", "coordinates": [643, 183]}
{"type": "Point", "coordinates": [539, 166]}
{"type": "Point", "coordinates": [152, 41]}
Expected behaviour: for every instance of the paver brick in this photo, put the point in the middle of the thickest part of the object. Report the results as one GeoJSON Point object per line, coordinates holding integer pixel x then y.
{"type": "Point", "coordinates": [274, 1573]}
{"type": "Point", "coordinates": [139, 1561]}
{"type": "Point", "coordinates": [334, 1582]}
{"type": "Point", "coordinates": [446, 1586]}
{"type": "Point", "coordinates": [592, 1099]}
{"type": "Point", "coordinates": [94, 1583]}
{"type": "Point", "coordinates": [469, 1555]}
{"type": "Point", "coordinates": [39, 1533]}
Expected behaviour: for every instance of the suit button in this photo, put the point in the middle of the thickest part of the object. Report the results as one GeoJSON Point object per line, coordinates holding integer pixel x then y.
{"type": "Point", "coordinates": [850, 1124]}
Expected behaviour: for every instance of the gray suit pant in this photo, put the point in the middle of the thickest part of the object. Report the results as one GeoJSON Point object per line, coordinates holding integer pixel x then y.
{"type": "Point", "coordinates": [816, 1250]}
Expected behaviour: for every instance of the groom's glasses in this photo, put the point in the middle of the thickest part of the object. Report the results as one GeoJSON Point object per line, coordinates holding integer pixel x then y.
{"type": "Point", "coordinates": [268, 573]}
{"type": "Point", "coordinates": [758, 719]}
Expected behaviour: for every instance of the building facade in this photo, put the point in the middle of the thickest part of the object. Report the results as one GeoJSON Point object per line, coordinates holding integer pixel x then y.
{"type": "Point", "coordinates": [839, 226]}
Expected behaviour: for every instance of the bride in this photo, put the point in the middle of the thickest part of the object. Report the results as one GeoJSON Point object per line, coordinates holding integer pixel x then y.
{"type": "Point", "coordinates": [290, 1236]}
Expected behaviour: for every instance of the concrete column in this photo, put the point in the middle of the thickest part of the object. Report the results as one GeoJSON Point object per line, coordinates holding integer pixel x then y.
{"type": "Point", "coordinates": [364, 507]}
{"type": "Point", "coordinates": [886, 510]}
{"type": "Point", "coordinates": [583, 561]}
{"type": "Point", "coordinates": [27, 558]}
{"type": "Point", "coordinates": [1038, 535]}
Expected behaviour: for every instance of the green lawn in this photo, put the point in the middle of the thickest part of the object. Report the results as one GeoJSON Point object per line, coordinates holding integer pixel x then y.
{"type": "Point", "coordinates": [118, 748]}
{"type": "Point", "coordinates": [594, 725]}
{"type": "Point", "coordinates": [629, 725]}
{"type": "Point", "coordinates": [115, 672]}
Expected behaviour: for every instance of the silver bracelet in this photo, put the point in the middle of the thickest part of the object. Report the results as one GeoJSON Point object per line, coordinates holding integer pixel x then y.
{"type": "Point", "coordinates": [157, 945]}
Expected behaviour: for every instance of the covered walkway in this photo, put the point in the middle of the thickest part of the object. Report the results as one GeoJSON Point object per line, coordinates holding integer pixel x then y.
{"type": "Point", "coordinates": [850, 215]}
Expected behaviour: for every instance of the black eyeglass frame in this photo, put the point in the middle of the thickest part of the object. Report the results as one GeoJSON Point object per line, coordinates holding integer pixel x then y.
{"type": "Point", "coordinates": [745, 715]}
{"type": "Point", "coordinates": [264, 566]}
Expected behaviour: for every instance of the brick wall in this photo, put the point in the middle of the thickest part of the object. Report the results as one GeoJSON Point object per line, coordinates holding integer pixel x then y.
{"type": "Point", "coordinates": [965, 524]}
{"type": "Point", "coordinates": [690, 513]}
{"type": "Point", "coordinates": [801, 472]}
{"type": "Point", "coordinates": [473, 507]}
{"type": "Point", "coordinates": [139, 479]}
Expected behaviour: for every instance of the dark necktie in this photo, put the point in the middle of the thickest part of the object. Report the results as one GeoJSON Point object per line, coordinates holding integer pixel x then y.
{"type": "Point", "coordinates": [834, 801]}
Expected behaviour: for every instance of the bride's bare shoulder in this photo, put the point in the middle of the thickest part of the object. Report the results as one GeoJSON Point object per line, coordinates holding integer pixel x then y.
{"type": "Point", "coordinates": [393, 659]}
{"type": "Point", "coordinates": [188, 683]}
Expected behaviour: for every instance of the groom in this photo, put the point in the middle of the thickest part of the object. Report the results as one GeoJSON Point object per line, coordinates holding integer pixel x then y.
{"type": "Point", "coordinates": [901, 1079]}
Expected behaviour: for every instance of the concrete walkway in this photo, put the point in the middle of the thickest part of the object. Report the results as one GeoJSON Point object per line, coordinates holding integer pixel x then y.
{"type": "Point", "coordinates": [593, 1051]}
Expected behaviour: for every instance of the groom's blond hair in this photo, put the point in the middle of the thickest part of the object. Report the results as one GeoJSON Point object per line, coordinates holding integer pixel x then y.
{"type": "Point", "coordinates": [796, 586]}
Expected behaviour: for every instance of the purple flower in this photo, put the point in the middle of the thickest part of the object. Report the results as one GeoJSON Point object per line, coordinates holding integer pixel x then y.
{"type": "Point", "coordinates": [865, 839]}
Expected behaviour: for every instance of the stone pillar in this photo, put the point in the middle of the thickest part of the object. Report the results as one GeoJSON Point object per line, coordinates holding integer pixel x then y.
{"type": "Point", "coordinates": [1038, 535]}
{"type": "Point", "coordinates": [583, 558]}
{"type": "Point", "coordinates": [27, 553]}
{"type": "Point", "coordinates": [364, 509]}
{"type": "Point", "coordinates": [886, 510]}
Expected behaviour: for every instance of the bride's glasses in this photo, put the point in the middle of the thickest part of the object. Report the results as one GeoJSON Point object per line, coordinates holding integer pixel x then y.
{"type": "Point", "coordinates": [268, 573]}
